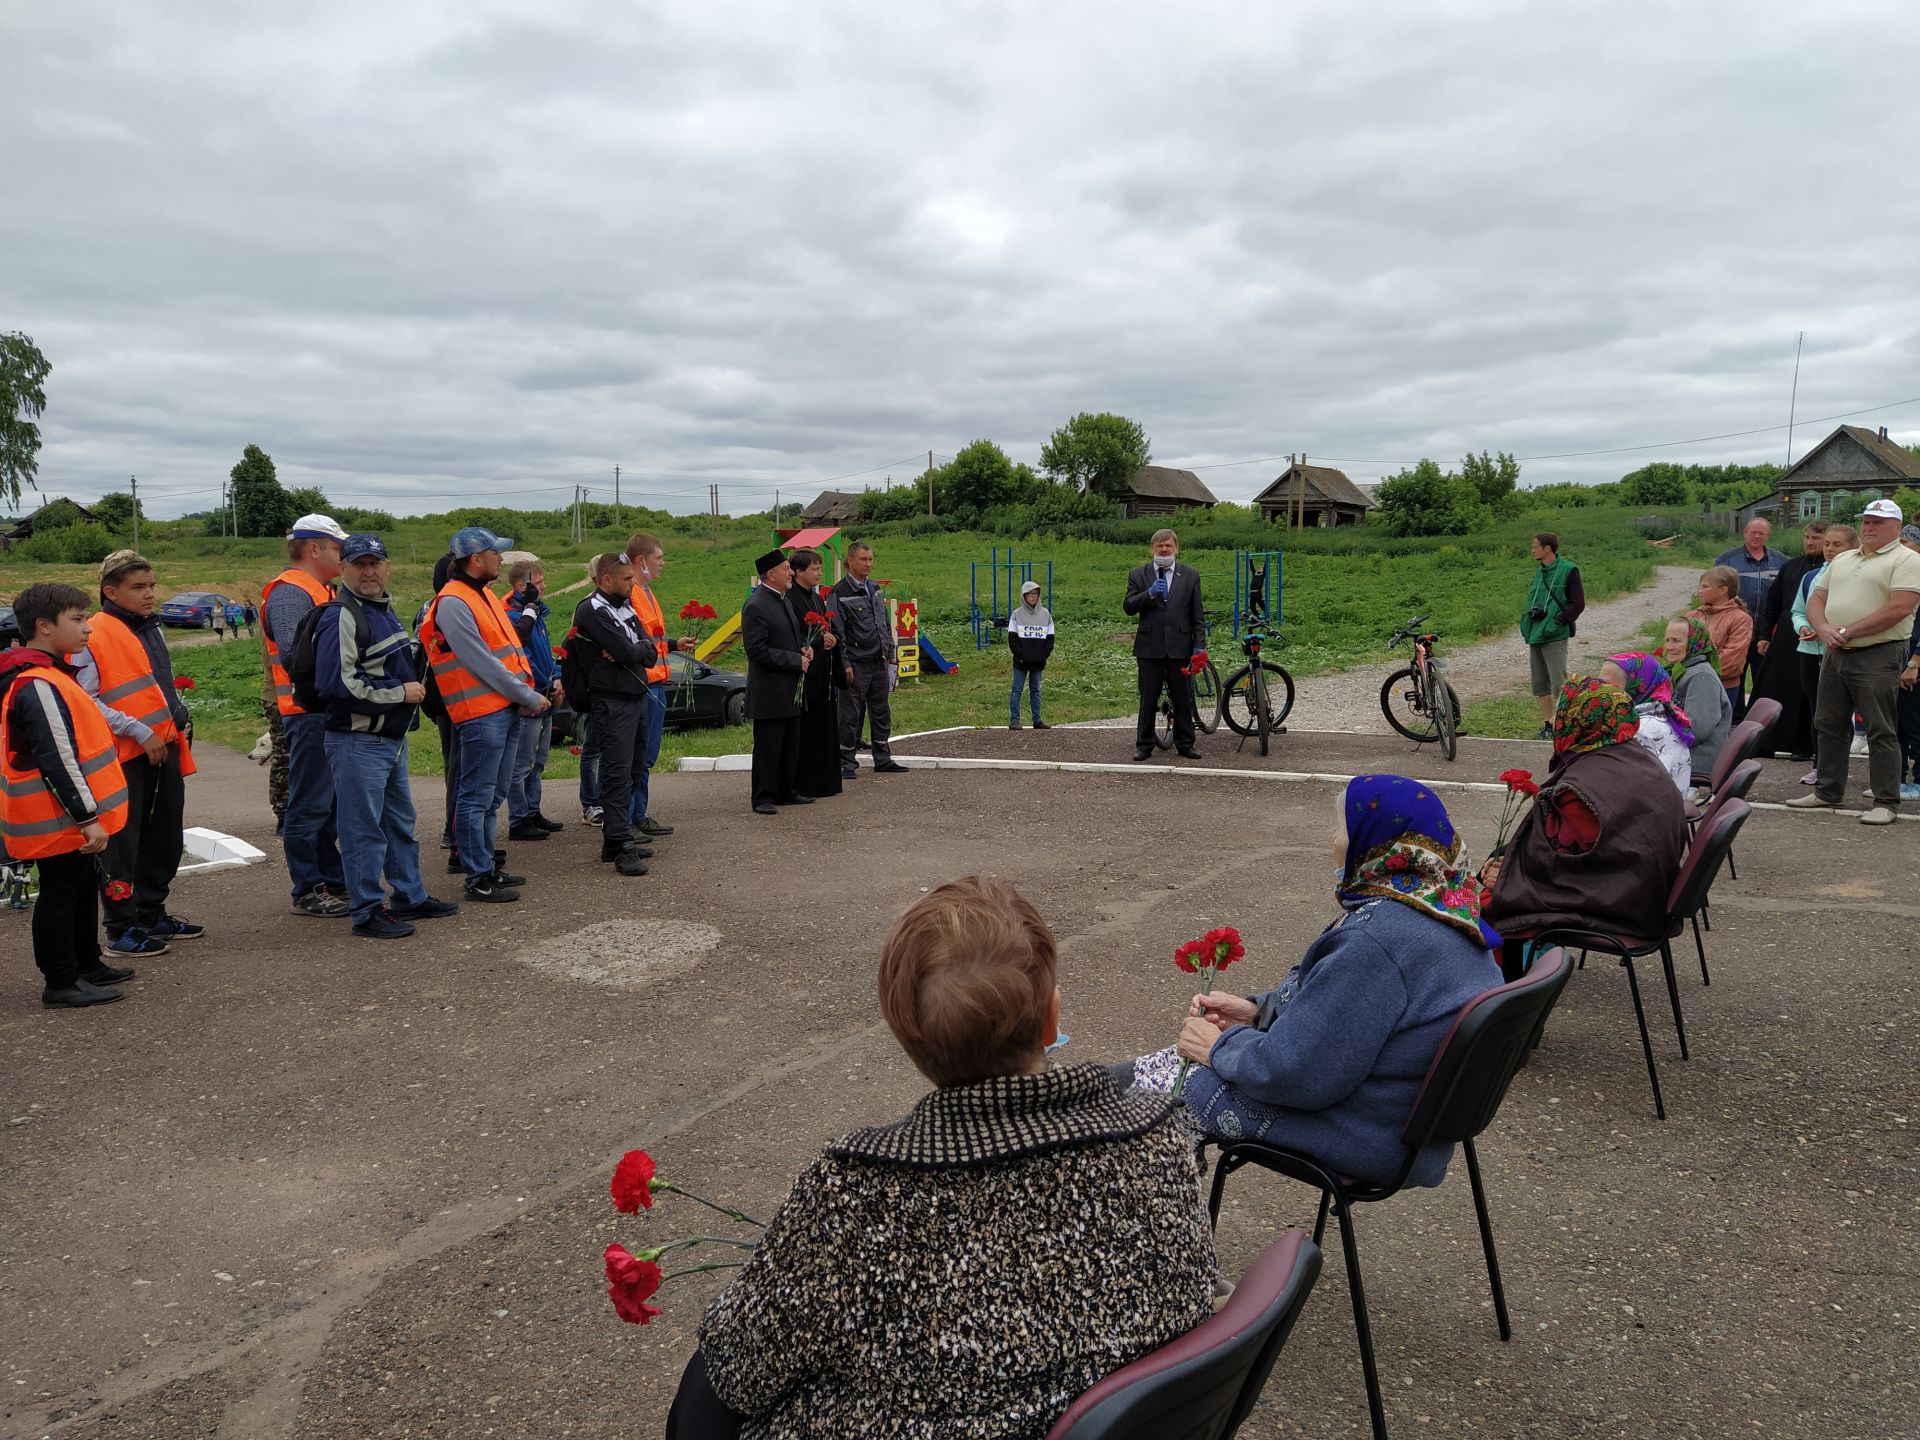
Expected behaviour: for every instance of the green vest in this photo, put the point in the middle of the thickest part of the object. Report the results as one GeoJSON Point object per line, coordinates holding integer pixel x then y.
{"type": "Point", "coordinates": [1548, 592]}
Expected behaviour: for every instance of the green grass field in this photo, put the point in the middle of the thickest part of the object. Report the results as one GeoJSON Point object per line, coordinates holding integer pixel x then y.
{"type": "Point", "coordinates": [1344, 592]}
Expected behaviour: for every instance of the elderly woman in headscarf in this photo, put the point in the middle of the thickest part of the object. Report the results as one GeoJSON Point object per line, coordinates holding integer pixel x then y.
{"type": "Point", "coordinates": [1330, 1061]}
{"type": "Point", "coordinates": [1601, 845]}
{"type": "Point", "coordinates": [1695, 670]}
{"type": "Point", "coordinates": [1665, 731]}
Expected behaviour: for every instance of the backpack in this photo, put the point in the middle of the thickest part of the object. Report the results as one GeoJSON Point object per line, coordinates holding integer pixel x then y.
{"type": "Point", "coordinates": [576, 657]}
{"type": "Point", "coordinates": [433, 707]}
{"type": "Point", "coordinates": [302, 658]}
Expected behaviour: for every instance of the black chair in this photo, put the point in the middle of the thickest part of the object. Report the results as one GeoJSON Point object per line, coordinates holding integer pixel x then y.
{"type": "Point", "coordinates": [1689, 894]}
{"type": "Point", "coordinates": [1739, 747]}
{"type": "Point", "coordinates": [1763, 712]}
{"type": "Point", "coordinates": [1736, 787]}
{"type": "Point", "coordinates": [1202, 1385]}
{"type": "Point", "coordinates": [1490, 1040]}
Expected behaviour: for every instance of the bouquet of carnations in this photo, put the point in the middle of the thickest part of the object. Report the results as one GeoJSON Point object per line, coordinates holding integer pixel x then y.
{"type": "Point", "coordinates": [1521, 788]}
{"type": "Point", "coordinates": [1207, 957]}
{"type": "Point", "coordinates": [633, 1278]}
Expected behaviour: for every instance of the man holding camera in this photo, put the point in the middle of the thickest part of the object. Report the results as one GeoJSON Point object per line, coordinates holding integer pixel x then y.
{"type": "Point", "coordinates": [1554, 603]}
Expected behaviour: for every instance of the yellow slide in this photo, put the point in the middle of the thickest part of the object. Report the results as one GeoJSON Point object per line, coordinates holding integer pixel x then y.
{"type": "Point", "coordinates": [720, 639]}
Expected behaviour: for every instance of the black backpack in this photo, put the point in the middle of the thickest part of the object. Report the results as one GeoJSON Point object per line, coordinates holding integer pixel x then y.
{"type": "Point", "coordinates": [302, 660]}
{"type": "Point", "coordinates": [576, 668]}
{"type": "Point", "coordinates": [433, 707]}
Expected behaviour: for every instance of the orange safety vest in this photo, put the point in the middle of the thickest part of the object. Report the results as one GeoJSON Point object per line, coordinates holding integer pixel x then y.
{"type": "Point", "coordinates": [33, 822]}
{"type": "Point", "coordinates": [321, 592]}
{"type": "Point", "coordinates": [128, 684]}
{"type": "Point", "coordinates": [647, 607]}
{"type": "Point", "coordinates": [464, 694]}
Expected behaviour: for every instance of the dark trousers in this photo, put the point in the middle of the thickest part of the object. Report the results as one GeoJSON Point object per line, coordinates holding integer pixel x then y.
{"type": "Point", "coordinates": [449, 773]}
{"type": "Point", "coordinates": [776, 759]}
{"type": "Point", "coordinates": [146, 852]}
{"type": "Point", "coordinates": [1810, 686]}
{"type": "Point", "coordinates": [1170, 674]}
{"type": "Point", "coordinates": [620, 729]}
{"type": "Point", "coordinates": [698, 1413]}
{"type": "Point", "coordinates": [865, 694]}
{"type": "Point", "coordinates": [65, 917]}
{"type": "Point", "coordinates": [1866, 680]}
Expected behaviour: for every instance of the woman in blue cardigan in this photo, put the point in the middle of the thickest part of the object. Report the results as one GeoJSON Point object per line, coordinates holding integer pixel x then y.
{"type": "Point", "coordinates": [1330, 1062]}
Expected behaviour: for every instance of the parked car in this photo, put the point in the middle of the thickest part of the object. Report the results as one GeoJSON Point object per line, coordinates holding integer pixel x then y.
{"type": "Point", "coordinates": [697, 694]}
{"type": "Point", "coordinates": [192, 608]}
{"type": "Point", "coordinates": [9, 628]}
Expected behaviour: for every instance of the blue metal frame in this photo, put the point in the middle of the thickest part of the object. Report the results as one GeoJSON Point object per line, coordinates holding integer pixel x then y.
{"type": "Point", "coordinates": [1247, 587]}
{"type": "Point", "coordinates": [988, 624]}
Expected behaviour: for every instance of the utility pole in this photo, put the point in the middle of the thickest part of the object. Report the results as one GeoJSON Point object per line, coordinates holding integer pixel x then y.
{"type": "Point", "coordinates": [133, 484]}
{"type": "Point", "coordinates": [618, 524]}
{"type": "Point", "coordinates": [713, 511]}
{"type": "Point", "coordinates": [776, 507]}
{"type": "Point", "coordinates": [929, 482]}
{"type": "Point", "coordinates": [1300, 494]}
{"type": "Point", "coordinates": [233, 505]}
{"type": "Point", "coordinates": [1794, 397]}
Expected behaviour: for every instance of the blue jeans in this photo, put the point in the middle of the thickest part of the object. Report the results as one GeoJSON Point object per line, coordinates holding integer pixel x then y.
{"type": "Point", "coordinates": [307, 833]}
{"type": "Point", "coordinates": [375, 805]}
{"type": "Point", "coordinates": [1031, 678]}
{"type": "Point", "coordinates": [589, 763]}
{"type": "Point", "coordinates": [655, 723]}
{"type": "Point", "coordinates": [489, 746]}
{"type": "Point", "coordinates": [536, 738]}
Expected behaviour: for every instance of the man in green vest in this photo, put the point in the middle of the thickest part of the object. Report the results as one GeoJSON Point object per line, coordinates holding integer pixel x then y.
{"type": "Point", "coordinates": [1554, 602]}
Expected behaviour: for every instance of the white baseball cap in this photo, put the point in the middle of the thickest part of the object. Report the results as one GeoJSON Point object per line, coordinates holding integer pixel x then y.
{"type": "Point", "coordinates": [1881, 510]}
{"type": "Point", "coordinates": [317, 527]}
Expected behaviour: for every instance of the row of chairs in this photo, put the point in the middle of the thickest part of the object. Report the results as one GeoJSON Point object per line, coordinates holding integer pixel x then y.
{"type": "Point", "coordinates": [1203, 1385]}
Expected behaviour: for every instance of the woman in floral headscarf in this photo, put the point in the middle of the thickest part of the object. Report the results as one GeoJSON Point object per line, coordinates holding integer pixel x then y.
{"type": "Point", "coordinates": [1331, 1060]}
{"type": "Point", "coordinates": [1665, 731]}
{"type": "Point", "coordinates": [1695, 669]}
{"type": "Point", "coordinates": [1602, 843]}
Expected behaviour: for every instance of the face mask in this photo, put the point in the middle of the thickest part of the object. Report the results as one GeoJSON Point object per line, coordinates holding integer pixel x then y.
{"type": "Point", "coordinates": [1164, 562]}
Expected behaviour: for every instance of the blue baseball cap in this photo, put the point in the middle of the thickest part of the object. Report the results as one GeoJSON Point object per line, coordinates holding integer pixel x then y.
{"type": "Point", "coordinates": [476, 539]}
{"type": "Point", "coordinates": [358, 547]}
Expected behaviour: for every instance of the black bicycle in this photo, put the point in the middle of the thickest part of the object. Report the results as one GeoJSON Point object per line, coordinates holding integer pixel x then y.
{"type": "Point", "coordinates": [1417, 700]}
{"type": "Point", "coordinates": [1258, 696]}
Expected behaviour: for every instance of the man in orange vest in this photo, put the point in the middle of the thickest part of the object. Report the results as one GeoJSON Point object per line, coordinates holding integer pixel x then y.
{"type": "Point", "coordinates": [126, 668]}
{"type": "Point", "coordinates": [485, 682]}
{"type": "Point", "coordinates": [62, 796]}
{"type": "Point", "coordinates": [649, 563]}
{"type": "Point", "coordinates": [307, 832]}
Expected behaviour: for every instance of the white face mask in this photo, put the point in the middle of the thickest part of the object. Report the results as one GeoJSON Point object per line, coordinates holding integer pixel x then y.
{"type": "Point", "coordinates": [1165, 562]}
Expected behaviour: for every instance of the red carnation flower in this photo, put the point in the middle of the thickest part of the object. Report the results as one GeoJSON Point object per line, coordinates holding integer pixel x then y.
{"type": "Point", "coordinates": [631, 1282]}
{"type": "Point", "coordinates": [1528, 787]}
{"type": "Point", "coordinates": [184, 682]}
{"type": "Point", "coordinates": [632, 1187]}
{"type": "Point", "coordinates": [1227, 946]}
{"type": "Point", "coordinates": [1517, 779]}
{"type": "Point", "coordinates": [119, 890]}
{"type": "Point", "coordinates": [690, 610]}
{"type": "Point", "coordinates": [1184, 956]}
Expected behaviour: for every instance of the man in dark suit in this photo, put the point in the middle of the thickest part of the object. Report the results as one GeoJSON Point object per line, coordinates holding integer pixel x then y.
{"type": "Point", "coordinates": [777, 658]}
{"type": "Point", "coordinates": [1165, 595]}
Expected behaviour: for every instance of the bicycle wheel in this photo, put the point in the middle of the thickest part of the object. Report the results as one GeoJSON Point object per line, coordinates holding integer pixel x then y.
{"type": "Point", "coordinates": [1206, 700]}
{"type": "Point", "coordinates": [1236, 704]}
{"type": "Point", "coordinates": [1262, 715]}
{"type": "Point", "coordinates": [1406, 707]}
{"type": "Point", "coordinates": [1446, 715]}
{"type": "Point", "coordinates": [1163, 725]}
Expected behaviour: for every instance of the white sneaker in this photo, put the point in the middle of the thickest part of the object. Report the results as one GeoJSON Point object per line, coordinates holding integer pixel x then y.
{"type": "Point", "coordinates": [1859, 745]}
{"type": "Point", "coordinates": [1879, 815]}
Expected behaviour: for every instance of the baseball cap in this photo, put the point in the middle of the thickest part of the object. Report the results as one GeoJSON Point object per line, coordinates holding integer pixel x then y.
{"type": "Point", "coordinates": [475, 540]}
{"type": "Point", "coordinates": [122, 560]}
{"type": "Point", "coordinates": [358, 547]}
{"type": "Point", "coordinates": [1881, 510]}
{"type": "Point", "coordinates": [317, 527]}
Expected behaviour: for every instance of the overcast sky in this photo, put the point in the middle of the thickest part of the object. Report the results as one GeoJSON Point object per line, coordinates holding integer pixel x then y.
{"type": "Point", "coordinates": [421, 252]}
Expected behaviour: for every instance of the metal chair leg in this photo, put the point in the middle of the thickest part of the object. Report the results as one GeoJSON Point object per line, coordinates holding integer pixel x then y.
{"type": "Point", "coordinates": [1706, 912]}
{"type": "Point", "coordinates": [1701, 946]}
{"type": "Point", "coordinates": [1673, 996]}
{"type": "Point", "coordinates": [1646, 1045]}
{"type": "Point", "coordinates": [1375, 1408]}
{"type": "Point", "coordinates": [1732, 869]}
{"type": "Point", "coordinates": [1219, 1189]}
{"type": "Point", "coordinates": [1486, 1241]}
{"type": "Point", "coordinates": [1583, 961]}
{"type": "Point", "coordinates": [1320, 1224]}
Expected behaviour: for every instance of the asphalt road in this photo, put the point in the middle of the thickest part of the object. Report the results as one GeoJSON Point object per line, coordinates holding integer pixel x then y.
{"type": "Point", "coordinates": [302, 1185]}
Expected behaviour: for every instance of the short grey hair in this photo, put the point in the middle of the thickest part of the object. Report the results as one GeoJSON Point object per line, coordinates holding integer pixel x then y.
{"type": "Point", "coordinates": [1160, 535]}
{"type": "Point", "coordinates": [859, 547]}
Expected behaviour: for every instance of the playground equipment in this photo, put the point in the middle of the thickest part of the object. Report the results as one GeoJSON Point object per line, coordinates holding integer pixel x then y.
{"type": "Point", "coordinates": [1256, 591]}
{"type": "Point", "coordinates": [988, 625]}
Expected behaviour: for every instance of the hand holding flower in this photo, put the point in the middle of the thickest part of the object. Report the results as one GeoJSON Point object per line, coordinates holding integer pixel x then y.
{"type": "Point", "coordinates": [1198, 1036]}
{"type": "Point", "coordinates": [1222, 1009]}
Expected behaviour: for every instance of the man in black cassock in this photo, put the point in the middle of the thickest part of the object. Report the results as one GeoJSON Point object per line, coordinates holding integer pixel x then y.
{"type": "Point", "coordinates": [777, 660]}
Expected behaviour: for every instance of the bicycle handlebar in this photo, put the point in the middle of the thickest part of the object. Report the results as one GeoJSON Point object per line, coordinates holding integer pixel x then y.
{"type": "Point", "coordinates": [1407, 631]}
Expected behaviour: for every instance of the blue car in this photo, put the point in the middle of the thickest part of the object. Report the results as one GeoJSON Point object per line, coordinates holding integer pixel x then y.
{"type": "Point", "coordinates": [194, 608]}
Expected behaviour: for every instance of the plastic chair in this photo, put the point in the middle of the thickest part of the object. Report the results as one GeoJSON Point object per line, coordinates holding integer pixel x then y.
{"type": "Point", "coordinates": [1476, 1062]}
{"type": "Point", "coordinates": [1202, 1385]}
{"type": "Point", "coordinates": [1689, 894]}
{"type": "Point", "coordinates": [1741, 744]}
{"type": "Point", "coordinates": [1763, 712]}
{"type": "Point", "coordinates": [1736, 787]}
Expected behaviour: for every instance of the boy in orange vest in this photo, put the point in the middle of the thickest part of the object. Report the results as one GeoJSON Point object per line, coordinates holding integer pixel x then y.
{"type": "Point", "coordinates": [126, 668]}
{"type": "Point", "coordinates": [62, 796]}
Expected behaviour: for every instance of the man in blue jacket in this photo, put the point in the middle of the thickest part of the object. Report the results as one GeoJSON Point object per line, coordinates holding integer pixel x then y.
{"type": "Point", "coordinates": [528, 607]}
{"type": "Point", "coordinates": [364, 671]}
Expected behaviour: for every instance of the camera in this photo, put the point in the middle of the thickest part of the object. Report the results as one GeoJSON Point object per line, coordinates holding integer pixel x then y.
{"type": "Point", "coordinates": [1538, 612]}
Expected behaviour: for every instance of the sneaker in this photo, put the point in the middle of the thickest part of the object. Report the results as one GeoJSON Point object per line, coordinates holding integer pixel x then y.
{"type": "Point", "coordinates": [849, 772]}
{"type": "Point", "coordinates": [550, 826]}
{"type": "Point", "coordinates": [1544, 733]}
{"type": "Point", "coordinates": [1041, 725]}
{"type": "Point", "coordinates": [512, 882]}
{"type": "Point", "coordinates": [527, 829]}
{"type": "Point", "coordinates": [319, 903]}
{"type": "Point", "coordinates": [135, 941]}
{"type": "Point", "coordinates": [339, 892]}
{"type": "Point", "coordinates": [1859, 746]}
{"type": "Point", "coordinates": [591, 815]}
{"type": "Point", "coordinates": [1013, 725]}
{"type": "Point", "coordinates": [430, 909]}
{"type": "Point", "coordinates": [381, 925]}
{"type": "Point", "coordinates": [454, 867]}
{"type": "Point", "coordinates": [1910, 791]}
{"type": "Point", "coordinates": [172, 927]}
{"type": "Point", "coordinates": [1811, 802]}
{"type": "Point", "coordinates": [650, 826]}
{"type": "Point", "coordinates": [1812, 777]}
{"type": "Point", "coordinates": [77, 995]}
{"type": "Point", "coordinates": [629, 862]}
{"type": "Point", "coordinates": [1878, 815]}
{"type": "Point", "coordinates": [490, 891]}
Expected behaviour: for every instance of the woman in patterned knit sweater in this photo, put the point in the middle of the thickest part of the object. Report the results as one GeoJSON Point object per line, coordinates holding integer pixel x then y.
{"type": "Point", "coordinates": [967, 1271]}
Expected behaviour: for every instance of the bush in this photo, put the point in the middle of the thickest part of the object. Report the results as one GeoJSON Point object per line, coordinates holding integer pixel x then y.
{"type": "Point", "coordinates": [84, 544]}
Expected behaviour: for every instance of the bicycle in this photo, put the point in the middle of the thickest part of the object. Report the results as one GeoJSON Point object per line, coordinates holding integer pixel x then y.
{"type": "Point", "coordinates": [1206, 703]}
{"type": "Point", "coordinates": [1417, 700]}
{"type": "Point", "coordinates": [1258, 696]}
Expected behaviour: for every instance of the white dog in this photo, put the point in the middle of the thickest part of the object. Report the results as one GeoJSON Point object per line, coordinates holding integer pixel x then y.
{"type": "Point", "coordinates": [262, 750]}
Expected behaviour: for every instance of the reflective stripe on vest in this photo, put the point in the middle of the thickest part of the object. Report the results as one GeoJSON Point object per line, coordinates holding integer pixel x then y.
{"type": "Point", "coordinates": [128, 684]}
{"type": "Point", "coordinates": [320, 593]}
{"type": "Point", "coordinates": [653, 624]}
{"type": "Point", "coordinates": [33, 822]}
{"type": "Point", "coordinates": [464, 694]}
